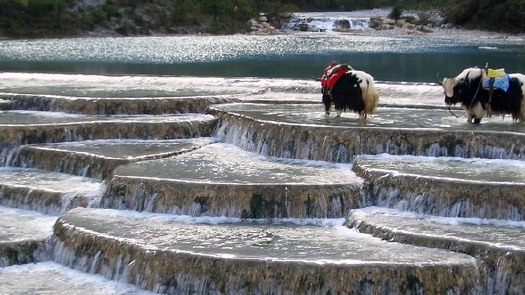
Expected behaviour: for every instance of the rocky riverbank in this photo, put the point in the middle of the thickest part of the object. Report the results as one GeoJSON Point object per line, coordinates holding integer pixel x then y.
{"type": "Point", "coordinates": [427, 23]}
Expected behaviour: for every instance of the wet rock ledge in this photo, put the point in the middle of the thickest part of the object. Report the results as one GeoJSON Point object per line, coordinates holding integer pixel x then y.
{"type": "Point", "coordinates": [114, 106]}
{"type": "Point", "coordinates": [145, 252]}
{"type": "Point", "coordinates": [252, 128]}
{"type": "Point", "coordinates": [499, 250]}
{"type": "Point", "coordinates": [428, 192]}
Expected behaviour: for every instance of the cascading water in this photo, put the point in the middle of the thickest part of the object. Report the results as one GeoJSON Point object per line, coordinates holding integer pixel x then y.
{"type": "Point", "coordinates": [293, 131]}
{"type": "Point", "coordinates": [318, 24]}
{"type": "Point", "coordinates": [252, 196]}
{"type": "Point", "coordinates": [332, 22]}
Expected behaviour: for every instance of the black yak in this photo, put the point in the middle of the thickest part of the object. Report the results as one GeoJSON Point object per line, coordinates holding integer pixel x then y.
{"type": "Point", "coordinates": [347, 88]}
{"type": "Point", "coordinates": [483, 97]}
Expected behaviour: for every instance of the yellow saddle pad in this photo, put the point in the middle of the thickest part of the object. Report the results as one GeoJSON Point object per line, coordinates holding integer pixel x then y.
{"type": "Point", "coordinates": [496, 79]}
{"type": "Point", "coordinates": [496, 73]}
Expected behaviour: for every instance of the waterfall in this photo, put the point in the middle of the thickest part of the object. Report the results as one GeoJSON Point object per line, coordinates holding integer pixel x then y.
{"type": "Point", "coordinates": [426, 195]}
{"type": "Point", "coordinates": [24, 252]}
{"type": "Point", "coordinates": [342, 145]}
{"type": "Point", "coordinates": [326, 23]}
{"type": "Point", "coordinates": [500, 267]}
{"type": "Point", "coordinates": [258, 230]}
{"type": "Point", "coordinates": [173, 268]}
{"type": "Point", "coordinates": [8, 154]}
{"type": "Point", "coordinates": [231, 200]}
{"type": "Point", "coordinates": [114, 106]}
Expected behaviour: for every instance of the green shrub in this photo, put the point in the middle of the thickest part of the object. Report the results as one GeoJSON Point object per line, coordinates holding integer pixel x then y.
{"type": "Point", "coordinates": [395, 14]}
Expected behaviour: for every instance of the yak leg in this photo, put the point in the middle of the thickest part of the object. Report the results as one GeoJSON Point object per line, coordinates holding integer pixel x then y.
{"type": "Point", "coordinates": [476, 113]}
{"type": "Point", "coordinates": [339, 112]}
{"type": "Point", "coordinates": [327, 101]}
{"type": "Point", "coordinates": [362, 115]}
{"type": "Point", "coordinates": [472, 118]}
{"type": "Point", "coordinates": [328, 109]}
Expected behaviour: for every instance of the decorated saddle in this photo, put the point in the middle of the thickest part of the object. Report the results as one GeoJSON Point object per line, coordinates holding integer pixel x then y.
{"type": "Point", "coordinates": [334, 73]}
{"type": "Point", "coordinates": [495, 79]}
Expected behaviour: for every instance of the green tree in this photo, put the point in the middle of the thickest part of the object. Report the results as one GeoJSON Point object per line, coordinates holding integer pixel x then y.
{"type": "Point", "coordinates": [57, 9]}
{"type": "Point", "coordinates": [395, 14]}
{"type": "Point", "coordinates": [5, 8]}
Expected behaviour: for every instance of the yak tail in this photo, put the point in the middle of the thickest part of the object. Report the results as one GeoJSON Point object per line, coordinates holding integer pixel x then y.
{"type": "Point", "coordinates": [371, 97]}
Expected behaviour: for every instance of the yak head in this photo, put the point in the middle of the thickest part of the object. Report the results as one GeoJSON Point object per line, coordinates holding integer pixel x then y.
{"type": "Point", "coordinates": [462, 88]}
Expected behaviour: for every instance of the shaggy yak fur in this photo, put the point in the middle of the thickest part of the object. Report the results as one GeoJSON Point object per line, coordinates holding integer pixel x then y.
{"type": "Point", "coordinates": [467, 90]}
{"type": "Point", "coordinates": [355, 91]}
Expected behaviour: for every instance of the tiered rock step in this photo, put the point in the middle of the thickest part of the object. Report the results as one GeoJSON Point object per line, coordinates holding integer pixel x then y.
{"type": "Point", "coordinates": [392, 94]}
{"type": "Point", "coordinates": [23, 236]}
{"type": "Point", "coordinates": [27, 127]}
{"type": "Point", "coordinates": [170, 254]}
{"type": "Point", "coordinates": [53, 278]}
{"type": "Point", "coordinates": [116, 105]}
{"type": "Point", "coordinates": [498, 245]}
{"type": "Point", "coordinates": [45, 192]}
{"type": "Point", "coordinates": [98, 158]}
{"type": "Point", "coordinates": [5, 104]}
{"type": "Point", "coordinates": [223, 180]}
{"type": "Point", "coordinates": [304, 131]}
{"type": "Point", "coordinates": [453, 187]}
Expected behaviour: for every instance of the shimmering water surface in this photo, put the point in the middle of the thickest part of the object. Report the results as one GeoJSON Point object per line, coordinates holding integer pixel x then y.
{"type": "Point", "coordinates": [53, 278]}
{"type": "Point", "coordinates": [129, 149]}
{"type": "Point", "coordinates": [389, 117]}
{"type": "Point", "coordinates": [392, 58]}
{"type": "Point", "coordinates": [278, 240]}
{"type": "Point", "coordinates": [477, 170]}
{"type": "Point", "coordinates": [115, 86]}
{"type": "Point", "coordinates": [18, 225]}
{"type": "Point", "coordinates": [483, 231]}
{"type": "Point", "coordinates": [38, 179]}
{"type": "Point", "coordinates": [10, 118]}
{"type": "Point", "coordinates": [222, 163]}
{"type": "Point", "coordinates": [277, 70]}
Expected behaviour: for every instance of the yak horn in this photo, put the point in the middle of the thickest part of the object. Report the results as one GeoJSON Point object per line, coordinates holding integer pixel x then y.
{"type": "Point", "coordinates": [437, 79]}
{"type": "Point", "coordinates": [316, 79]}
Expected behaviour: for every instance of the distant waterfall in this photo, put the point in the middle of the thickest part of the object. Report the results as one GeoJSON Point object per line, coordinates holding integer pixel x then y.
{"type": "Point", "coordinates": [323, 24]}
{"type": "Point", "coordinates": [328, 22]}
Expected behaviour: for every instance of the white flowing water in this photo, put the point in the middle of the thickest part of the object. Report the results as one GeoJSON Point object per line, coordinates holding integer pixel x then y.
{"type": "Point", "coordinates": [271, 77]}
{"type": "Point", "coordinates": [220, 163]}
{"type": "Point", "coordinates": [53, 278]}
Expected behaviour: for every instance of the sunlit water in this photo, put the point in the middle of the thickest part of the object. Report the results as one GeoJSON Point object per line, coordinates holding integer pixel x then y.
{"type": "Point", "coordinates": [14, 118]}
{"type": "Point", "coordinates": [497, 233]}
{"type": "Point", "coordinates": [390, 58]}
{"type": "Point", "coordinates": [222, 163]}
{"type": "Point", "coordinates": [19, 225]}
{"type": "Point", "coordinates": [475, 170]}
{"type": "Point", "coordinates": [398, 117]}
{"type": "Point", "coordinates": [268, 240]}
{"type": "Point", "coordinates": [37, 179]}
{"type": "Point", "coordinates": [276, 68]}
{"type": "Point", "coordinates": [130, 149]}
{"type": "Point", "coordinates": [52, 278]}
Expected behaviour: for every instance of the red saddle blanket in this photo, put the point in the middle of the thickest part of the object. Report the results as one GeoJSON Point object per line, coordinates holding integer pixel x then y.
{"type": "Point", "coordinates": [335, 77]}
{"type": "Point", "coordinates": [332, 75]}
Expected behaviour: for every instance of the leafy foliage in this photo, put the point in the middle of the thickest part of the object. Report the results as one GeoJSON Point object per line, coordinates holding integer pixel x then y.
{"type": "Point", "coordinates": [42, 18]}
{"type": "Point", "coordinates": [395, 14]}
{"type": "Point", "coordinates": [494, 15]}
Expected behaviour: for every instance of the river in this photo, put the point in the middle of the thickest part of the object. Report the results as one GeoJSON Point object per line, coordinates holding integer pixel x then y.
{"type": "Point", "coordinates": [198, 65]}
{"type": "Point", "coordinates": [288, 56]}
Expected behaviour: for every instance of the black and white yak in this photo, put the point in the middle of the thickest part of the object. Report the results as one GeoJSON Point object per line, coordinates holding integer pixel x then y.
{"type": "Point", "coordinates": [480, 99]}
{"type": "Point", "coordinates": [353, 90]}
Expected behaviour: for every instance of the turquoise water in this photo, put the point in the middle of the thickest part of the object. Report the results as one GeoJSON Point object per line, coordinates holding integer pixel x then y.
{"type": "Point", "coordinates": [301, 56]}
